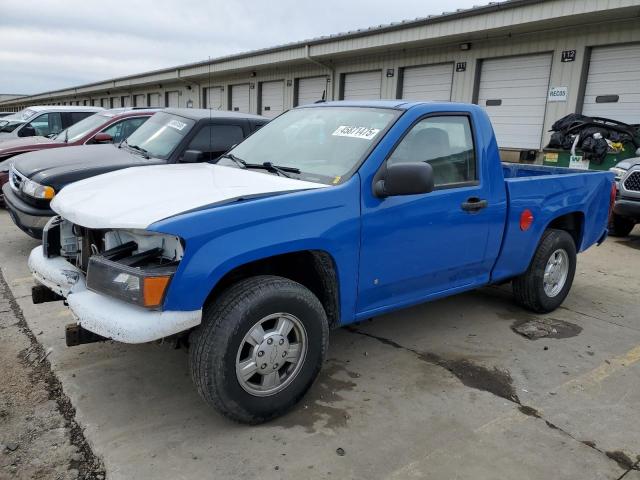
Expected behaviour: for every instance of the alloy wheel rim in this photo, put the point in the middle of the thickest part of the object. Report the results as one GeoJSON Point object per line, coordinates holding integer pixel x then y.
{"type": "Point", "coordinates": [556, 273]}
{"type": "Point", "coordinates": [271, 354]}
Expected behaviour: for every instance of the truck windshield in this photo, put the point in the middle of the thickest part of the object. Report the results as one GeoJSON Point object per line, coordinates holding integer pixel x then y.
{"type": "Point", "coordinates": [77, 131]}
{"type": "Point", "coordinates": [160, 135]}
{"type": "Point", "coordinates": [324, 143]}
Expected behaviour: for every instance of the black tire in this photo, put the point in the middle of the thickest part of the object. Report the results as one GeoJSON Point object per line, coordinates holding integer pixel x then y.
{"type": "Point", "coordinates": [620, 226]}
{"type": "Point", "coordinates": [215, 345]}
{"type": "Point", "coordinates": [528, 288]}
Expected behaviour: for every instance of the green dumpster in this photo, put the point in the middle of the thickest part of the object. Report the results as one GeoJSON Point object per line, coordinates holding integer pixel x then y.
{"type": "Point", "coordinates": [562, 158]}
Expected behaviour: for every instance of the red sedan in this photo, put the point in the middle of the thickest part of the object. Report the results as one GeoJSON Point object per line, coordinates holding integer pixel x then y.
{"type": "Point", "coordinates": [109, 126]}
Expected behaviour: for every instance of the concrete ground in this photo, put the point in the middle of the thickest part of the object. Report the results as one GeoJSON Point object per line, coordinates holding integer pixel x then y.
{"type": "Point", "coordinates": [444, 390]}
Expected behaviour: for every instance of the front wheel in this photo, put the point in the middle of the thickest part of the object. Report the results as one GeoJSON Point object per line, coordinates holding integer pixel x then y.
{"type": "Point", "coordinates": [259, 348]}
{"type": "Point", "coordinates": [547, 281]}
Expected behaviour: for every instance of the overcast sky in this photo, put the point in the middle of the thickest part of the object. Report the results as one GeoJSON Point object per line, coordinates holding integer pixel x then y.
{"type": "Point", "coordinates": [47, 45]}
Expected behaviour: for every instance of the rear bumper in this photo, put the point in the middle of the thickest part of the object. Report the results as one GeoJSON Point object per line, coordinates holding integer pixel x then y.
{"type": "Point", "coordinates": [29, 219]}
{"type": "Point", "coordinates": [627, 208]}
{"type": "Point", "coordinates": [103, 315]}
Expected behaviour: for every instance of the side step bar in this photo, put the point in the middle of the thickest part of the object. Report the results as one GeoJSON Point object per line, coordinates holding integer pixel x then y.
{"type": "Point", "coordinates": [76, 335]}
{"type": "Point", "coordinates": [41, 294]}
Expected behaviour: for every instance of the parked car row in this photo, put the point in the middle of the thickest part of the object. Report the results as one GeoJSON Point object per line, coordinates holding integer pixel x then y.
{"type": "Point", "coordinates": [246, 241]}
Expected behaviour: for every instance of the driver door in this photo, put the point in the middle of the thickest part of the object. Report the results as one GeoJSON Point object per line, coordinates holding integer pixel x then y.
{"type": "Point", "coordinates": [417, 246]}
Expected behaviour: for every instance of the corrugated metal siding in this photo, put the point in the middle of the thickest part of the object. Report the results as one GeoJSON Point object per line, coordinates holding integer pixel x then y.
{"type": "Point", "coordinates": [614, 72]}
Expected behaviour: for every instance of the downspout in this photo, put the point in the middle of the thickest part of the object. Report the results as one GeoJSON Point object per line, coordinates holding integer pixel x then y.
{"type": "Point", "coordinates": [309, 58]}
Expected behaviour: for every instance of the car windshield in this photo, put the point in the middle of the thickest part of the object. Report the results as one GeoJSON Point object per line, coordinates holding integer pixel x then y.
{"type": "Point", "coordinates": [160, 135]}
{"type": "Point", "coordinates": [324, 143]}
{"type": "Point", "coordinates": [77, 131]}
{"type": "Point", "coordinates": [10, 126]}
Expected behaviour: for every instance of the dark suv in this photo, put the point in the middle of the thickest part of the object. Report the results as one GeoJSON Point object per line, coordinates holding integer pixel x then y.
{"type": "Point", "coordinates": [170, 136]}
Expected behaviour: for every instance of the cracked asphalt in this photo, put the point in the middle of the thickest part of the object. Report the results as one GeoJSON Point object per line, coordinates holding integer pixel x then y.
{"type": "Point", "coordinates": [443, 390]}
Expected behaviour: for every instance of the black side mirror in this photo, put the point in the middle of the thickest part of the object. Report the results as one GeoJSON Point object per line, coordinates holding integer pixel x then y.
{"type": "Point", "coordinates": [27, 131]}
{"type": "Point", "coordinates": [404, 179]}
{"type": "Point", "coordinates": [192, 156]}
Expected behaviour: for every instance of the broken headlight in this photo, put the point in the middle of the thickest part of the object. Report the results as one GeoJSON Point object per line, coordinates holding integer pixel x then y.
{"type": "Point", "coordinates": [141, 279]}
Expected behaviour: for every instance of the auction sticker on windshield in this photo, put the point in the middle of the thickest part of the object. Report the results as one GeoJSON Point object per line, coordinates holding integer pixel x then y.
{"type": "Point", "coordinates": [365, 133]}
{"type": "Point", "coordinates": [177, 124]}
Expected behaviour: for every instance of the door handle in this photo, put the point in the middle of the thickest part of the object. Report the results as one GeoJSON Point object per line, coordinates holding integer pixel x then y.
{"type": "Point", "coordinates": [474, 204]}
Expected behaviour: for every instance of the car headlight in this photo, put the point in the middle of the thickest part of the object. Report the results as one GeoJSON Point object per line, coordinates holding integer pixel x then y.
{"type": "Point", "coordinates": [618, 172]}
{"type": "Point", "coordinates": [35, 190]}
{"type": "Point", "coordinates": [145, 287]}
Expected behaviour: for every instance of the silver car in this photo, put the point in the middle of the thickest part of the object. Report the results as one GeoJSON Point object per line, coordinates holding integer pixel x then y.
{"type": "Point", "coordinates": [42, 120]}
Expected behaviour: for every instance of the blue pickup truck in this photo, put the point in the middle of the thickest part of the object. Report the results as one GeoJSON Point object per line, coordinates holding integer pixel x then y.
{"type": "Point", "coordinates": [330, 214]}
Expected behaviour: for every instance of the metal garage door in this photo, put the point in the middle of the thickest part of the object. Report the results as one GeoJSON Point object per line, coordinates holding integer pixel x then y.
{"type": "Point", "coordinates": [429, 82]}
{"type": "Point", "coordinates": [214, 98]}
{"type": "Point", "coordinates": [362, 86]}
{"type": "Point", "coordinates": [613, 84]}
{"type": "Point", "coordinates": [115, 102]}
{"type": "Point", "coordinates": [139, 101]}
{"type": "Point", "coordinates": [271, 98]}
{"type": "Point", "coordinates": [104, 102]}
{"type": "Point", "coordinates": [514, 92]}
{"type": "Point", "coordinates": [126, 101]}
{"type": "Point", "coordinates": [154, 99]}
{"type": "Point", "coordinates": [172, 99]}
{"type": "Point", "coordinates": [240, 98]}
{"type": "Point", "coordinates": [310, 90]}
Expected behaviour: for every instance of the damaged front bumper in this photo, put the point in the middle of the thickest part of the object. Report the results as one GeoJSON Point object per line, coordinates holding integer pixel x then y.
{"type": "Point", "coordinates": [104, 316]}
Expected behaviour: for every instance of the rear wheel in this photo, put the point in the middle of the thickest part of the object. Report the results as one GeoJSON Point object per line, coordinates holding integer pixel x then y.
{"type": "Point", "coordinates": [547, 281]}
{"type": "Point", "coordinates": [621, 226]}
{"type": "Point", "coordinates": [259, 348]}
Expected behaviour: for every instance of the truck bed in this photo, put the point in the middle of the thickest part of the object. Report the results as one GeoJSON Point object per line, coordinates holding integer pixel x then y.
{"type": "Point", "coordinates": [581, 196]}
{"type": "Point", "coordinates": [518, 170]}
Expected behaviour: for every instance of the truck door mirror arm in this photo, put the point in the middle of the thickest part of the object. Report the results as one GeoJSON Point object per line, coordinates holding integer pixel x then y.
{"type": "Point", "coordinates": [404, 179]}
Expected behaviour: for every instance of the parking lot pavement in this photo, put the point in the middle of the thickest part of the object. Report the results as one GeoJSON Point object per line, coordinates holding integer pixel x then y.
{"type": "Point", "coordinates": [443, 390]}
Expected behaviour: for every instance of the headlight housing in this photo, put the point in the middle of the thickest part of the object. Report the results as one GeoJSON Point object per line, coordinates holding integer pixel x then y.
{"type": "Point", "coordinates": [618, 172]}
{"type": "Point", "coordinates": [145, 287]}
{"type": "Point", "coordinates": [35, 190]}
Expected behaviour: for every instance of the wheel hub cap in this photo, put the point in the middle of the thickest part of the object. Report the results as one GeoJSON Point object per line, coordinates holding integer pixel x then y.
{"type": "Point", "coordinates": [556, 272]}
{"type": "Point", "coordinates": [271, 354]}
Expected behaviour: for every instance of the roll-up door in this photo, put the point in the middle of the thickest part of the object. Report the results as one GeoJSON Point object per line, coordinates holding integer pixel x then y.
{"type": "Point", "coordinates": [139, 101]}
{"type": "Point", "coordinates": [514, 92]}
{"type": "Point", "coordinates": [362, 86]}
{"type": "Point", "coordinates": [172, 99]}
{"type": "Point", "coordinates": [126, 101]}
{"type": "Point", "coordinates": [104, 102]}
{"type": "Point", "coordinates": [613, 83]}
{"type": "Point", "coordinates": [214, 98]}
{"type": "Point", "coordinates": [154, 100]}
{"type": "Point", "coordinates": [310, 90]}
{"type": "Point", "coordinates": [240, 98]}
{"type": "Point", "coordinates": [271, 98]}
{"type": "Point", "coordinates": [428, 82]}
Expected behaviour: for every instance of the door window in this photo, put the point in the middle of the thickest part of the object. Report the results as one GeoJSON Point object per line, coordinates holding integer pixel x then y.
{"type": "Point", "coordinates": [47, 124]}
{"type": "Point", "coordinates": [446, 143]}
{"type": "Point", "coordinates": [121, 130]}
{"type": "Point", "coordinates": [214, 140]}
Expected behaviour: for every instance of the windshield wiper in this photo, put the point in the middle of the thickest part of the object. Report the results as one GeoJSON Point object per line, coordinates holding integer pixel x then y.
{"type": "Point", "coordinates": [145, 154]}
{"type": "Point", "coordinates": [279, 169]}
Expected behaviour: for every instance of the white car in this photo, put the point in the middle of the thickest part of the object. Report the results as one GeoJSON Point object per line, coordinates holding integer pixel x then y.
{"type": "Point", "coordinates": [42, 120]}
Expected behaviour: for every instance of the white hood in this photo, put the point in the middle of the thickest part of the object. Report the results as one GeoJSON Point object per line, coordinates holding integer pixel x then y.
{"type": "Point", "coordinates": [139, 196]}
